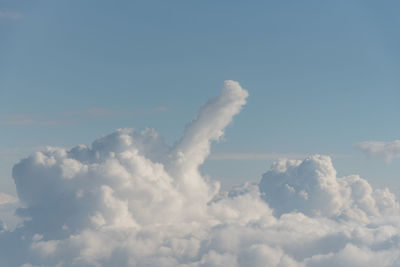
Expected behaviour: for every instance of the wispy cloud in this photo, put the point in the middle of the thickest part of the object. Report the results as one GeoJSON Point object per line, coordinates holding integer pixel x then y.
{"type": "Point", "coordinates": [263, 156]}
{"type": "Point", "coordinates": [5, 14]}
{"type": "Point", "coordinates": [162, 109]}
{"type": "Point", "coordinates": [388, 150]}
{"type": "Point", "coordinates": [12, 119]}
{"type": "Point", "coordinates": [70, 117]}
{"type": "Point", "coordinates": [103, 112]}
{"type": "Point", "coordinates": [254, 156]}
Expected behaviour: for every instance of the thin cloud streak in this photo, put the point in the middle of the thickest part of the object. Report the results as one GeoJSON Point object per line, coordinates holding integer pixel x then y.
{"type": "Point", "coordinates": [254, 156]}
{"type": "Point", "coordinates": [264, 156]}
{"type": "Point", "coordinates": [70, 117]}
{"type": "Point", "coordinates": [4, 14]}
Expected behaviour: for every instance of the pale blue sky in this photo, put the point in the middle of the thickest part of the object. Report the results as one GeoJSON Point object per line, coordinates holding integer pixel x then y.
{"type": "Point", "coordinates": [321, 77]}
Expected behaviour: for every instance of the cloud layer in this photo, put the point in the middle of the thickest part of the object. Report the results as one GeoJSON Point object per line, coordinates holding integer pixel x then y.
{"type": "Point", "coordinates": [131, 200]}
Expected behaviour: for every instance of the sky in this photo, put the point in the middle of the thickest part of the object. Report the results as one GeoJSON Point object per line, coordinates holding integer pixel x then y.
{"type": "Point", "coordinates": [322, 77]}
{"type": "Point", "coordinates": [199, 133]}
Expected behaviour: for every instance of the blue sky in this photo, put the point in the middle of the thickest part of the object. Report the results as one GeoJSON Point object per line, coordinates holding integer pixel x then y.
{"type": "Point", "coordinates": [321, 75]}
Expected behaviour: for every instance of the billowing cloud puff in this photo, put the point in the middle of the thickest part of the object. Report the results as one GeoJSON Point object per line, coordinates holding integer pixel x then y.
{"type": "Point", "coordinates": [311, 187]}
{"type": "Point", "coordinates": [388, 150]}
{"type": "Point", "coordinates": [131, 200]}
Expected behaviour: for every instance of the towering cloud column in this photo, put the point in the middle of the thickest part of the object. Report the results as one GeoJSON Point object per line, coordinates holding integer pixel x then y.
{"type": "Point", "coordinates": [194, 147]}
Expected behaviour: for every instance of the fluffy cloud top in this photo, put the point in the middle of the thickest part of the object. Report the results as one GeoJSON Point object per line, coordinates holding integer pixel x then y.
{"type": "Point", "coordinates": [388, 150]}
{"type": "Point", "coordinates": [131, 200]}
{"type": "Point", "coordinates": [311, 187]}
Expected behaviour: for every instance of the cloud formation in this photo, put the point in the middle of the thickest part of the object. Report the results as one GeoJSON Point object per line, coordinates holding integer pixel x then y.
{"type": "Point", "coordinates": [311, 187]}
{"type": "Point", "coordinates": [131, 200]}
{"type": "Point", "coordinates": [388, 150]}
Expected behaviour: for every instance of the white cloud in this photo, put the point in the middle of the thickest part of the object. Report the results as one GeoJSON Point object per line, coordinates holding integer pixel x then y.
{"type": "Point", "coordinates": [311, 187]}
{"type": "Point", "coordinates": [388, 150]}
{"type": "Point", "coordinates": [130, 200]}
{"type": "Point", "coordinates": [8, 205]}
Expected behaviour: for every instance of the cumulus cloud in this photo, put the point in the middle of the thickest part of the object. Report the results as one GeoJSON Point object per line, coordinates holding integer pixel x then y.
{"type": "Point", "coordinates": [311, 187]}
{"type": "Point", "coordinates": [131, 200]}
{"type": "Point", "coordinates": [388, 150]}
